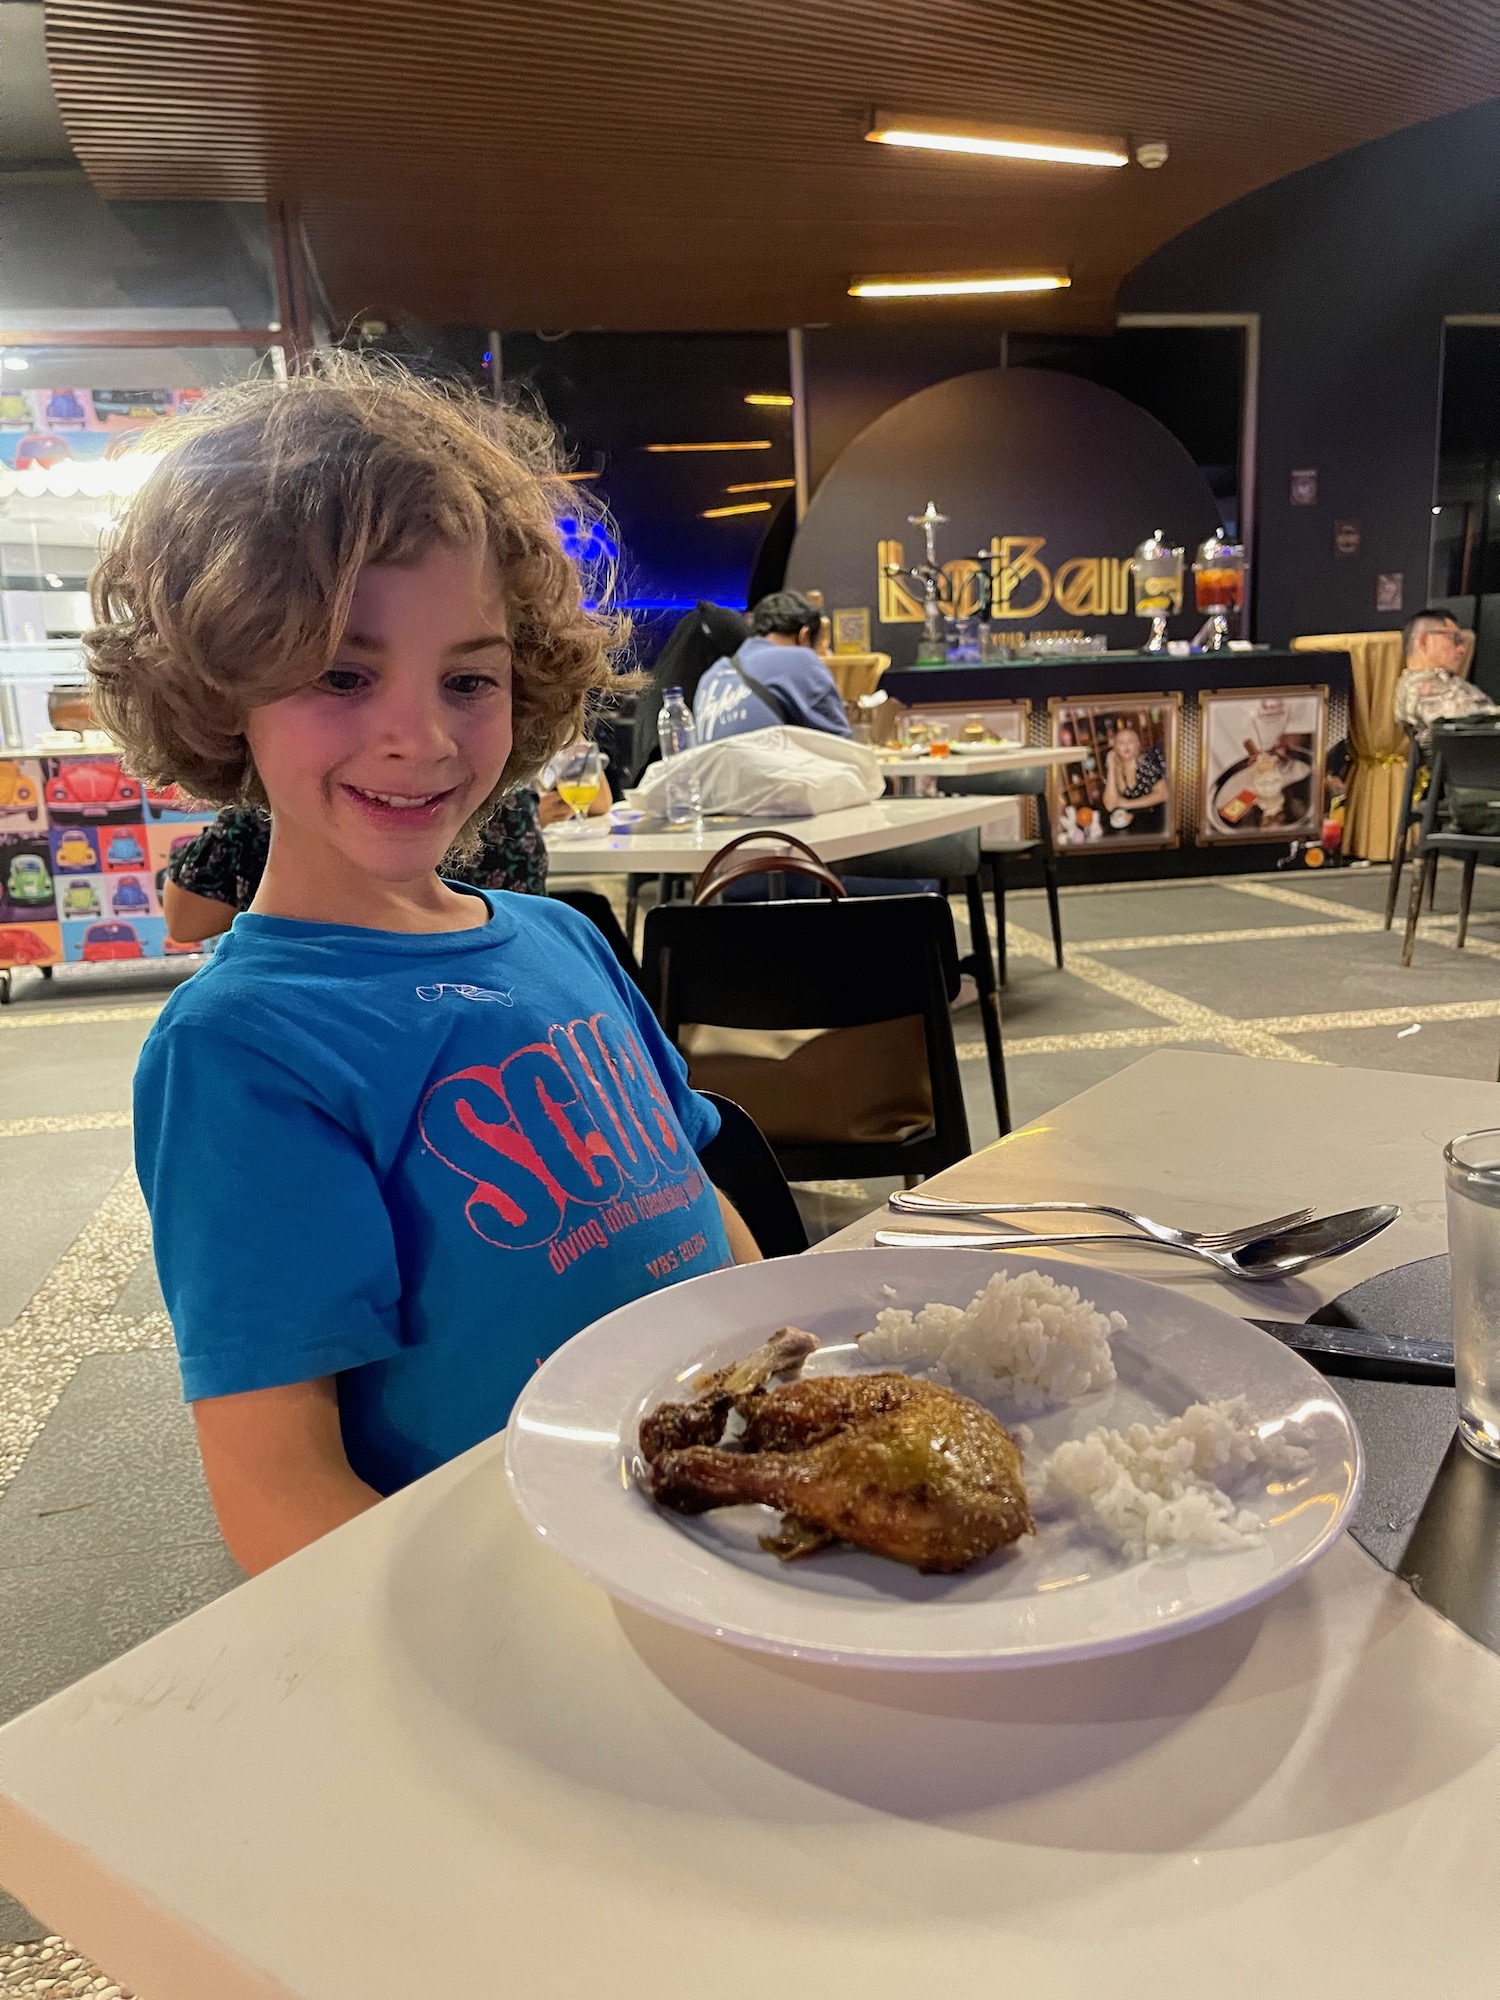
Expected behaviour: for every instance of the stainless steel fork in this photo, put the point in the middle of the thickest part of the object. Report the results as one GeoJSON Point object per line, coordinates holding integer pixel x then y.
{"type": "Point", "coordinates": [911, 1201]}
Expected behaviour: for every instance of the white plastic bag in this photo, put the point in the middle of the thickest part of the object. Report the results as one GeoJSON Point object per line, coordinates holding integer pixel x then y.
{"type": "Point", "coordinates": [781, 773]}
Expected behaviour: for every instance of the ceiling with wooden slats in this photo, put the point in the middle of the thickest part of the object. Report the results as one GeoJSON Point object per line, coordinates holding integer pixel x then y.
{"type": "Point", "coordinates": [699, 163]}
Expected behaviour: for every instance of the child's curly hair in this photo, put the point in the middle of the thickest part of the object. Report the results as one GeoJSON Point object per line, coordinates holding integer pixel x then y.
{"type": "Point", "coordinates": [227, 584]}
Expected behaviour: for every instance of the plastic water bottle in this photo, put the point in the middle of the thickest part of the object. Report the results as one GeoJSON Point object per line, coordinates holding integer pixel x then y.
{"type": "Point", "coordinates": [676, 732]}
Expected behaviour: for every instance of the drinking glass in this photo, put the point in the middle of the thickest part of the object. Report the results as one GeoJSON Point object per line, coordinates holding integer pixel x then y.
{"type": "Point", "coordinates": [1472, 1161]}
{"type": "Point", "coordinates": [579, 775]}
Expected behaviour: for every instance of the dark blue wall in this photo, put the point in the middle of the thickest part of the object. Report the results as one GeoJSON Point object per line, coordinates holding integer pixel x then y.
{"type": "Point", "coordinates": [1352, 266]}
{"type": "Point", "coordinates": [612, 394]}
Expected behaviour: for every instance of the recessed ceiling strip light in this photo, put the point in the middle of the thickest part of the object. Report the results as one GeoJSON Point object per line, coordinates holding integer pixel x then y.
{"type": "Point", "coordinates": [745, 507]}
{"type": "Point", "coordinates": [998, 142]}
{"type": "Point", "coordinates": [769, 402]}
{"type": "Point", "coordinates": [762, 486]}
{"type": "Point", "coordinates": [959, 285]}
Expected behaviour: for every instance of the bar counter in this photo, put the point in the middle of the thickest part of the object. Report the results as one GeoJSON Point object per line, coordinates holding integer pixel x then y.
{"type": "Point", "coordinates": [1089, 698]}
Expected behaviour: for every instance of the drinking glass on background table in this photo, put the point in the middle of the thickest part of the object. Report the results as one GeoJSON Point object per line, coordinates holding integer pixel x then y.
{"type": "Point", "coordinates": [578, 775]}
{"type": "Point", "coordinates": [1473, 1167]}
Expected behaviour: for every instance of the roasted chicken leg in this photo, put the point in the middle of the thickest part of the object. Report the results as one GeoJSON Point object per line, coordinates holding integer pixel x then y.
{"type": "Point", "coordinates": [900, 1467]}
{"type": "Point", "coordinates": [738, 1387]}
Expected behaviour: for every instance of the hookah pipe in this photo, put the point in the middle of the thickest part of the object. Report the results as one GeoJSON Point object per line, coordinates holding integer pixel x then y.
{"type": "Point", "coordinates": [929, 576]}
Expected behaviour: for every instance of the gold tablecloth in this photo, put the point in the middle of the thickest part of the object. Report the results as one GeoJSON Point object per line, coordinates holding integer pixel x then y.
{"type": "Point", "coordinates": [855, 674]}
{"type": "Point", "coordinates": [1377, 742]}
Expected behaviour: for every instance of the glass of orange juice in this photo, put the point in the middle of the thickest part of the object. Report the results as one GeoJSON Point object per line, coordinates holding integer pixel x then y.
{"type": "Point", "coordinates": [579, 772]}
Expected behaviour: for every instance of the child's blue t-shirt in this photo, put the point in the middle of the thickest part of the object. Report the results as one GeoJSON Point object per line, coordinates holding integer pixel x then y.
{"type": "Point", "coordinates": [418, 1163]}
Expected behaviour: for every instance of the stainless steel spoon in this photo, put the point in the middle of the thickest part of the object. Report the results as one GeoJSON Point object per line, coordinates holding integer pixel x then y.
{"type": "Point", "coordinates": [1279, 1255]}
{"type": "Point", "coordinates": [910, 1201]}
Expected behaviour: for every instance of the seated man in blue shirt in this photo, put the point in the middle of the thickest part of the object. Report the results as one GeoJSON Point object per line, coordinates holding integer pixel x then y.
{"type": "Point", "coordinates": [775, 677]}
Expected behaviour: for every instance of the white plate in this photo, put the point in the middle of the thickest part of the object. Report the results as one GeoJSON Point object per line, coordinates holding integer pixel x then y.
{"type": "Point", "coordinates": [1065, 1594]}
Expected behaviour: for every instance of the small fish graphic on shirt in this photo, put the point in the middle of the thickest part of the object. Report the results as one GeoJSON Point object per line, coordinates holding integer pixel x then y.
{"type": "Point", "coordinates": [465, 993]}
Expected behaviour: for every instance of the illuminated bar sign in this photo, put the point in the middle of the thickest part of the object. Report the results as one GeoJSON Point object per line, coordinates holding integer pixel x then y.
{"type": "Point", "coordinates": [1017, 583]}
{"type": "Point", "coordinates": [1047, 482]}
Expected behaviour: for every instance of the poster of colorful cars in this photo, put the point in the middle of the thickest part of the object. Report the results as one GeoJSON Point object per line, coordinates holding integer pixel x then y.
{"type": "Point", "coordinates": [84, 853]}
{"type": "Point", "coordinates": [49, 427]}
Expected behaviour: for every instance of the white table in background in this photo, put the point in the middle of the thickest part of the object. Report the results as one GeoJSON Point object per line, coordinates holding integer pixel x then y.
{"type": "Point", "coordinates": [424, 1758]}
{"type": "Point", "coordinates": [1009, 757]}
{"type": "Point", "coordinates": [834, 836]}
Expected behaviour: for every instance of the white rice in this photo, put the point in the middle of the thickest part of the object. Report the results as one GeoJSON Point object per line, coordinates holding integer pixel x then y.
{"type": "Point", "coordinates": [1155, 1488]}
{"type": "Point", "coordinates": [1026, 1339]}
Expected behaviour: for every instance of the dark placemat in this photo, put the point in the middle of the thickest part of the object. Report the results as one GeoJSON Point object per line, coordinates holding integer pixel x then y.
{"type": "Point", "coordinates": [1406, 1431]}
{"type": "Point", "coordinates": [1412, 1299]}
{"type": "Point", "coordinates": [1430, 1512]}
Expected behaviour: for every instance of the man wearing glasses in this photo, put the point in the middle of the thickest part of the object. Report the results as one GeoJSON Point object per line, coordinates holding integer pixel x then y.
{"type": "Point", "coordinates": [1432, 688]}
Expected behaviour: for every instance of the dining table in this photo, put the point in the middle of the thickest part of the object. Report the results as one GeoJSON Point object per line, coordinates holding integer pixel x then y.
{"type": "Point", "coordinates": [979, 761]}
{"type": "Point", "coordinates": [912, 771]}
{"type": "Point", "coordinates": [600, 847]}
{"type": "Point", "coordinates": [424, 1757]}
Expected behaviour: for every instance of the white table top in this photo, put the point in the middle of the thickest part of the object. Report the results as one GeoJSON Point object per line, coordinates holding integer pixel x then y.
{"type": "Point", "coordinates": [424, 1758]}
{"type": "Point", "coordinates": [835, 836]}
{"type": "Point", "coordinates": [1207, 1141]}
{"type": "Point", "coordinates": [1016, 758]}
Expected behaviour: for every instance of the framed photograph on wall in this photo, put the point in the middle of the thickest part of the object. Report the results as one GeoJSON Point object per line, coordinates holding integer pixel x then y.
{"type": "Point", "coordinates": [1121, 788]}
{"type": "Point", "coordinates": [851, 629]}
{"type": "Point", "coordinates": [1261, 764]}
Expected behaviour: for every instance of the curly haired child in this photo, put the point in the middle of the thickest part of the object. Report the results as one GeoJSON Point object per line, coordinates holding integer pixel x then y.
{"type": "Point", "coordinates": [399, 1138]}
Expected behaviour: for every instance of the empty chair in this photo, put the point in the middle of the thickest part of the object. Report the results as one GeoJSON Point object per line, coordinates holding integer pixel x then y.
{"type": "Point", "coordinates": [1461, 816]}
{"type": "Point", "coordinates": [1030, 783]}
{"type": "Point", "coordinates": [953, 861]}
{"type": "Point", "coordinates": [879, 1095]}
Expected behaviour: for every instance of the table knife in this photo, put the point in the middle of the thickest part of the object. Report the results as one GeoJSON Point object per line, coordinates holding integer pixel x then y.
{"type": "Point", "coordinates": [1395, 1357]}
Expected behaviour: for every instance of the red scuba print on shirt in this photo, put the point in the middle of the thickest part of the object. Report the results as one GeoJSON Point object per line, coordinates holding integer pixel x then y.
{"type": "Point", "coordinates": [578, 1120]}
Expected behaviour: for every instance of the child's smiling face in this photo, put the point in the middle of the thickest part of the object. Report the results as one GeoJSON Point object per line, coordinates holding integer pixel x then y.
{"type": "Point", "coordinates": [379, 762]}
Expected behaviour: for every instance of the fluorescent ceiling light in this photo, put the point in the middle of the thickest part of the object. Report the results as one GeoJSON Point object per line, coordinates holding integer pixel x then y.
{"type": "Point", "coordinates": [998, 142]}
{"type": "Point", "coordinates": [740, 444]}
{"type": "Point", "coordinates": [763, 486]}
{"type": "Point", "coordinates": [770, 402]}
{"type": "Point", "coordinates": [959, 285]}
{"type": "Point", "coordinates": [744, 507]}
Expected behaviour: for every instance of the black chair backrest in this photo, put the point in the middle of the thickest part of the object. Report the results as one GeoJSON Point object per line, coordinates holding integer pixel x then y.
{"type": "Point", "coordinates": [1466, 755]}
{"type": "Point", "coordinates": [805, 964]}
{"type": "Point", "coordinates": [600, 913]}
{"type": "Point", "coordinates": [740, 1161]}
{"type": "Point", "coordinates": [1485, 669]}
{"type": "Point", "coordinates": [817, 964]}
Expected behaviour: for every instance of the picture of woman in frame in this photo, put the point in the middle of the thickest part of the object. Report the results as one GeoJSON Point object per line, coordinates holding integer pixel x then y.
{"type": "Point", "coordinates": [1135, 784]}
{"type": "Point", "coordinates": [1120, 791]}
